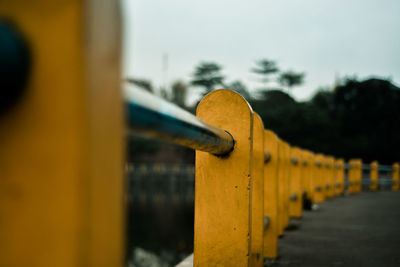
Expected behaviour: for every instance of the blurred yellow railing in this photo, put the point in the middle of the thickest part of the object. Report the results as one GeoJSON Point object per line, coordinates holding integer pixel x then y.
{"type": "Point", "coordinates": [61, 159]}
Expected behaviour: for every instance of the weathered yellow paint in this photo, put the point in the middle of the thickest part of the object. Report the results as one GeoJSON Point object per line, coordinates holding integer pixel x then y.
{"type": "Point", "coordinates": [350, 178]}
{"type": "Point", "coordinates": [303, 164]}
{"type": "Point", "coordinates": [286, 161]}
{"type": "Point", "coordinates": [319, 195]}
{"type": "Point", "coordinates": [303, 172]}
{"type": "Point", "coordinates": [339, 177]}
{"type": "Point", "coordinates": [308, 175]}
{"type": "Point", "coordinates": [325, 176]}
{"type": "Point", "coordinates": [359, 176]}
{"type": "Point", "coordinates": [321, 175]}
{"type": "Point", "coordinates": [257, 194]}
{"type": "Point", "coordinates": [395, 177]}
{"type": "Point", "coordinates": [373, 176]}
{"type": "Point", "coordinates": [295, 183]}
{"type": "Point", "coordinates": [355, 176]}
{"type": "Point", "coordinates": [281, 188]}
{"type": "Point", "coordinates": [271, 195]}
{"type": "Point", "coordinates": [283, 185]}
{"type": "Point", "coordinates": [330, 176]}
{"type": "Point", "coordinates": [222, 185]}
{"type": "Point", "coordinates": [61, 158]}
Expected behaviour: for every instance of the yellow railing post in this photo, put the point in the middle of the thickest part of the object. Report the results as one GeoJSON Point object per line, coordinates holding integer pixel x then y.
{"type": "Point", "coordinates": [283, 185]}
{"type": "Point", "coordinates": [328, 176]}
{"type": "Point", "coordinates": [286, 199]}
{"type": "Point", "coordinates": [359, 176]}
{"type": "Point", "coordinates": [318, 178]}
{"type": "Point", "coordinates": [324, 177]}
{"type": "Point", "coordinates": [339, 176]}
{"type": "Point", "coordinates": [222, 185]}
{"type": "Point", "coordinates": [350, 177]}
{"type": "Point", "coordinates": [395, 177]}
{"type": "Point", "coordinates": [271, 194]}
{"type": "Point", "coordinates": [61, 156]}
{"type": "Point", "coordinates": [373, 176]}
{"type": "Point", "coordinates": [329, 164]}
{"type": "Point", "coordinates": [355, 176]}
{"type": "Point", "coordinates": [305, 178]}
{"type": "Point", "coordinates": [308, 175]}
{"type": "Point", "coordinates": [295, 185]}
{"type": "Point", "coordinates": [257, 194]}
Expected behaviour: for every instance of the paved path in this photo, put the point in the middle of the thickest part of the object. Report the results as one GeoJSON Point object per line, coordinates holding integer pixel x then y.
{"type": "Point", "coordinates": [359, 230]}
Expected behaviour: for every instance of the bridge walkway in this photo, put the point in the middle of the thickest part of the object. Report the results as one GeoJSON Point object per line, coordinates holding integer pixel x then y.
{"type": "Point", "coordinates": [356, 230]}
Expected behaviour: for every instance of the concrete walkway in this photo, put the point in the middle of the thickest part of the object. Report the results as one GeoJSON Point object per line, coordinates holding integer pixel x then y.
{"type": "Point", "coordinates": [358, 230]}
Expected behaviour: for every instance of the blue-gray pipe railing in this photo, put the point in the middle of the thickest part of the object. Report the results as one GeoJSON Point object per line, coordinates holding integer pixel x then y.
{"type": "Point", "coordinates": [367, 167]}
{"type": "Point", "coordinates": [150, 115]}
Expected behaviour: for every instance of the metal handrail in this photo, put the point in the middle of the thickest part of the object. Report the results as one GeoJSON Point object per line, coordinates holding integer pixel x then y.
{"type": "Point", "coordinates": [367, 167]}
{"type": "Point", "coordinates": [149, 115]}
{"type": "Point", "coordinates": [385, 168]}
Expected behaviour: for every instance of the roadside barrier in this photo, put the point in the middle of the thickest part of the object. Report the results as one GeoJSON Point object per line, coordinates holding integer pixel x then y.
{"type": "Point", "coordinates": [355, 175]}
{"type": "Point", "coordinates": [373, 176]}
{"type": "Point", "coordinates": [249, 183]}
{"type": "Point", "coordinates": [339, 174]}
{"type": "Point", "coordinates": [395, 177]}
{"type": "Point", "coordinates": [295, 183]}
{"type": "Point", "coordinates": [308, 178]}
{"type": "Point", "coordinates": [62, 151]}
{"type": "Point", "coordinates": [318, 176]}
{"type": "Point", "coordinates": [271, 194]}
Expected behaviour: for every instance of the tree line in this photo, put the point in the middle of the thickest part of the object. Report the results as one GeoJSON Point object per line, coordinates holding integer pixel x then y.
{"type": "Point", "coordinates": [354, 118]}
{"type": "Point", "coordinates": [208, 76]}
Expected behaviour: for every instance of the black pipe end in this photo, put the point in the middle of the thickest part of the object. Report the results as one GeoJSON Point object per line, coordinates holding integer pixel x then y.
{"type": "Point", "coordinates": [15, 65]}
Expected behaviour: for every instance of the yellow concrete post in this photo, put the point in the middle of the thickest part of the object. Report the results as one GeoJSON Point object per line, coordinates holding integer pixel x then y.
{"type": "Point", "coordinates": [287, 148]}
{"type": "Point", "coordinates": [308, 180]}
{"type": "Point", "coordinates": [319, 195]}
{"type": "Point", "coordinates": [395, 177]}
{"type": "Point", "coordinates": [305, 179]}
{"type": "Point", "coordinates": [350, 178]}
{"type": "Point", "coordinates": [222, 185]}
{"type": "Point", "coordinates": [329, 162]}
{"type": "Point", "coordinates": [295, 184]}
{"type": "Point", "coordinates": [355, 176]}
{"type": "Point", "coordinates": [257, 194]}
{"type": "Point", "coordinates": [303, 174]}
{"type": "Point", "coordinates": [282, 187]}
{"type": "Point", "coordinates": [373, 176]}
{"type": "Point", "coordinates": [61, 156]}
{"type": "Point", "coordinates": [284, 171]}
{"type": "Point", "coordinates": [339, 177]}
{"type": "Point", "coordinates": [324, 177]}
{"type": "Point", "coordinates": [271, 194]}
{"type": "Point", "coordinates": [359, 176]}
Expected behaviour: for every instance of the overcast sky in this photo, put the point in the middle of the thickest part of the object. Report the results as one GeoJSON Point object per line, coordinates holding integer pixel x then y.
{"type": "Point", "coordinates": [324, 38]}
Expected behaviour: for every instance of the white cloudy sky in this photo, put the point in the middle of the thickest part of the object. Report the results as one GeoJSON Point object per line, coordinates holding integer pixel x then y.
{"type": "Point", "coordinates": [324, 38]}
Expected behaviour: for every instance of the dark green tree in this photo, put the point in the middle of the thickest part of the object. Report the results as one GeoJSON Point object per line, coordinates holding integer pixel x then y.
{"type": "Point", "coordinates": [239, 87]}
{"type": "Point", "coordinates": [265, 68]}
{"type": "Point", "coordinates": [357, 119]}
{"type": "Point", "coordinates": [179, 91]}
{"type": "Point", "coordinates": [290, 78]}
{"type": "Point", "coordinates": [142, 83]}
{"type": "Point", "coordinates": [207, 75]}
{"type": "Point", "coordinates": [164, 93]}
